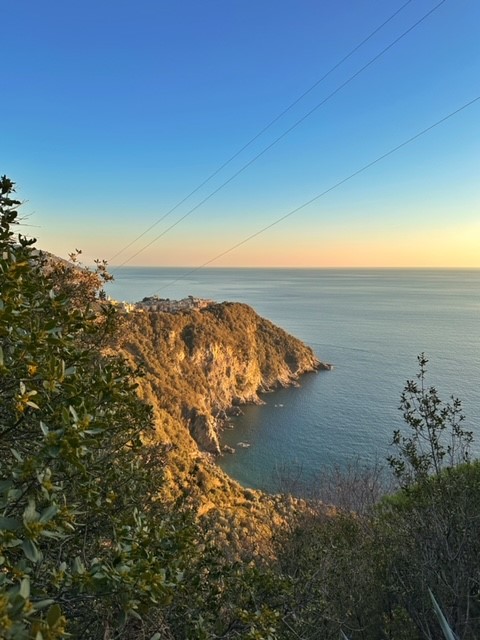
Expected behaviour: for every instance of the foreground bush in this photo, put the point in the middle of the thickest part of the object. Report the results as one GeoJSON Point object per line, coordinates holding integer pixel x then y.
{"type": "Point", "coordinates": [87, 547]}
{"type": "Point", "coordinates": [371, 574]}
{"type": "Point", "coordinates": [84, 544]}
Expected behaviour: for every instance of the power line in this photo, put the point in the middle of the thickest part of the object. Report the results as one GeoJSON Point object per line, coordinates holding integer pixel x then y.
{"type": "Point", "coordinates": [323, 193]}
{"type": "Point", "coordinates": [262, 131]}
{"type": "Point", "coordinates": [251, 141]}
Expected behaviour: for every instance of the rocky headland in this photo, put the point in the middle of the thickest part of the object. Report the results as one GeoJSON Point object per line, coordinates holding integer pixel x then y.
{"type": "Point", "coordinates": [199, 365]}
{"type": "Point", "coordinates": [202, 363]}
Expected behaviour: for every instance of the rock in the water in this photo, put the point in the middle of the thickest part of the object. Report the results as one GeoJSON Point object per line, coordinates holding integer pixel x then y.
{"type": "Point", "coordinates": [227, 449]}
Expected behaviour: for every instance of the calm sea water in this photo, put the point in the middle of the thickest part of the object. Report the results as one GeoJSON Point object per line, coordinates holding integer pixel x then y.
{"type": "Point", "coordinates": [371, 324]}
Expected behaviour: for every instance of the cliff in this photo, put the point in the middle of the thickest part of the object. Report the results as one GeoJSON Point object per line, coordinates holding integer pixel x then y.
{"type": "Point", "coordinates": [201, 363]}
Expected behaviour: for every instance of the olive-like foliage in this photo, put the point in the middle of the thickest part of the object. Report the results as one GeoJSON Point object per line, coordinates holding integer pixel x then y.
{"type": "Point", "coordinates": [86, 547]}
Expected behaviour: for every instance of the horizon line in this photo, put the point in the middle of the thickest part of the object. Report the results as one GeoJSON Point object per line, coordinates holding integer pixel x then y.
{"type": "Point", "coordinates": [305, 268]}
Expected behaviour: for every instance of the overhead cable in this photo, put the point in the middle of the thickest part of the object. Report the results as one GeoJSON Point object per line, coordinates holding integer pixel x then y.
{"type": "Point", "coordinates": [296, 124]}
{"type": "Point", "coordinates": [323, 193]}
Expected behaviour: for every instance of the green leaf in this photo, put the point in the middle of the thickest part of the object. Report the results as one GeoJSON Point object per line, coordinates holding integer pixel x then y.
{"type": "Point", "coordinates": [41, 604]}
{"type": "Point", "coordinates": [25, 588]}
{"type": "Point", "coordinates": [54, 535]}
{"type": "Point", "coordinates": [135, 614]}
{"type": "Point", "coordinates": [17, 605]}
{"type": "Point", "coordinates": [31, 550]}
{"type": "Point", "coordinates": [16, 455]}
{"type": "Point", "coordinates": [30, 514]}
{"type": "Point", "coordinates": [14, 542]}
{"type": "Point", "coordinates": [48, 513]}
{"type": "Point", "coordinates": [9, 524]}
{"type": "Point", "coordinates": [54, 614]}
{"type": "Point", "coordinates": [78, 566]}
{"type": "Point", "coordinates": [121, 618]}
{"type": "Point", "coordinates": [5, 485]}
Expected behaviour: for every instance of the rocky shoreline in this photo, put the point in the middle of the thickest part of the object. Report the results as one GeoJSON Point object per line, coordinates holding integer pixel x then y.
{"type": "Point", "coordinates": [204, 362]}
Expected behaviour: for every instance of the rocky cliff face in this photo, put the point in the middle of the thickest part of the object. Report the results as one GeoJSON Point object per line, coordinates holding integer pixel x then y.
{"type": "Point", "coordinates": [201, 363]}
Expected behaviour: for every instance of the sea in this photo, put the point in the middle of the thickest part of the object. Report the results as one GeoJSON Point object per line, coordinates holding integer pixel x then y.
{"type": "Point", "coordinates": [370, 324]}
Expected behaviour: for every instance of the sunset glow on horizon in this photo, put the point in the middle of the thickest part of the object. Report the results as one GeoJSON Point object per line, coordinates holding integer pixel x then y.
{"type": "Point", "coordinates": [117, 120]}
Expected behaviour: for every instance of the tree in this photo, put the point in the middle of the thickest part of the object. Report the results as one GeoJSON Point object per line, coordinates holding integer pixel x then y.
{"type": "Point", "coordinates": [370, 574]}
{"type": "Point", "coordinates": [431, 525]}
{"type": "Point", "coordinates": [85, 544]}
{"type": "Point", "coordinates": [436, 439]}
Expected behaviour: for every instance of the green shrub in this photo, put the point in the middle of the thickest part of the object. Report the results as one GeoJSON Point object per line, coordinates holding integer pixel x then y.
{"type": "Point", "coordinates": [85, 546]}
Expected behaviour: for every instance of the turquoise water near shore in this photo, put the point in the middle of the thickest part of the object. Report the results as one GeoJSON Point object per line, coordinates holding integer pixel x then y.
{"type": "Point", "coordinates": [370, 324]}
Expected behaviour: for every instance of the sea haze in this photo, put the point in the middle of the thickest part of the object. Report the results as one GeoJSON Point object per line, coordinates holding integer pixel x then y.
{"type": "Point", "coordinates": [370, 324]}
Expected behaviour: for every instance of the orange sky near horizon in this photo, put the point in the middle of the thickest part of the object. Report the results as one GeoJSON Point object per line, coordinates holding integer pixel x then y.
{"type": "Point", "coordinates": [449, 246]}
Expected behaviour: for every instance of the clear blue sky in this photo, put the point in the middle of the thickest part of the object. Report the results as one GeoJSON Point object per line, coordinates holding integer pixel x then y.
{"type": "Point", "coordinates": [113, 110]}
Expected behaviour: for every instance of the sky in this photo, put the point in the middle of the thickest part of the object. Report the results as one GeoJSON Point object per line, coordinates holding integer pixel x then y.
{"type": "Point", "coordinates": [114, 111]}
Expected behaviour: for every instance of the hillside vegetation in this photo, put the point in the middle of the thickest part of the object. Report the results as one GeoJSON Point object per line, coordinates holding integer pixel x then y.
{"type": "Point", "coordinates": [115, 521]}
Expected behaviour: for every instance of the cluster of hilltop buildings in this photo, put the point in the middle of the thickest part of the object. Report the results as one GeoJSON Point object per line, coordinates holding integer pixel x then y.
{"type": "Point", "coordinates": [154, 303]}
